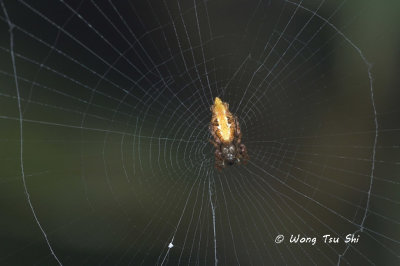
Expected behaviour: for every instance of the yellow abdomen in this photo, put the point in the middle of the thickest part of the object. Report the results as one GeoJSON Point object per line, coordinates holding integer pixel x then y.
{"type": "Point", "coordinates": [221, 113]}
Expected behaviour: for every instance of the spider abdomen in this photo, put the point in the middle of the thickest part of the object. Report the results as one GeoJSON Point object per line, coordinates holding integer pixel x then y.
{"type": "Point", "coordinates": [224, 123]}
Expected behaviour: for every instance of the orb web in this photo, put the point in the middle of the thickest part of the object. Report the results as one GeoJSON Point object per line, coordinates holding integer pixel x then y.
{"type": "Point", "coordinates": [104, 129]}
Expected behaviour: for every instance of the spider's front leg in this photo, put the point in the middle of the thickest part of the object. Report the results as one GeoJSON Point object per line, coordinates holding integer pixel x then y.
{"type": "Point", "coordinates": [219, 160]}
{"type": "Point", "coordinates": [216, 142]}
{"type": "Point", "coordinates": [243, 153]}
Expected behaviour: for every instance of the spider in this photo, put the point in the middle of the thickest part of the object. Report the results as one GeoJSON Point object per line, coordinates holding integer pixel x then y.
{"type": "Point", "coordinates": [225, 129]}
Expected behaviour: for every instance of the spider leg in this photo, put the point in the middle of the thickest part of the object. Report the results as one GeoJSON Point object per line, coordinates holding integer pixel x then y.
{"type": "Point", "coordinates": [212, 132]}
{"type": "Point", "coordinates": [243, 153]}
{"type": "Point", "coordinates": [215, 144]}
{"type": "Point", "coordinates": [219, 160]}
{"type": "Point", "coordinates": [231, 119]}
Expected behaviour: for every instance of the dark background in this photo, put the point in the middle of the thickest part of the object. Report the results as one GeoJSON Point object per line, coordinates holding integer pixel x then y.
{"type": "Point", "coordinates": [114, 99]}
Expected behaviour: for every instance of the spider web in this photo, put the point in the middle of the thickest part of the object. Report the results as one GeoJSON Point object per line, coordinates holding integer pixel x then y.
{"type": "Point", "coordinates": [104, 130]}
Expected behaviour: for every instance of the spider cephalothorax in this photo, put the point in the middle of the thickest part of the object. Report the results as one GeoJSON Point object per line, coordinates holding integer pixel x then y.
{"type": "Point", "coordinates": [225, 129]}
